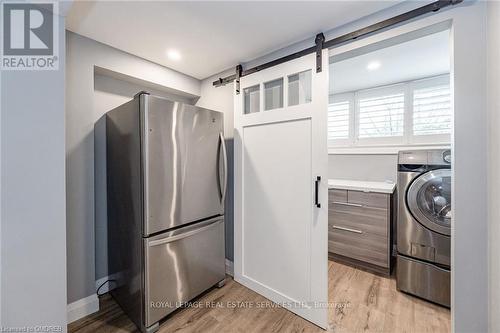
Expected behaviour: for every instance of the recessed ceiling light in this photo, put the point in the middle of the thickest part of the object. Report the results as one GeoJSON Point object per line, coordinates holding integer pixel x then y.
{"type": "Point", "coordinates": [373, 65]}
{"type": "Point", "coordinates": [173, 55]}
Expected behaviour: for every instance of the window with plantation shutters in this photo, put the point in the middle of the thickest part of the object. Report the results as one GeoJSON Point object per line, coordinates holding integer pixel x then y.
{"type": "Point", "coordinates": [381, 116]}
{"type": "Point", "coordinates": [415, 112]}
{"type": "Point", "coordinates": [432, 110]}
{"type": "Point", "coordinates": [338, 120]}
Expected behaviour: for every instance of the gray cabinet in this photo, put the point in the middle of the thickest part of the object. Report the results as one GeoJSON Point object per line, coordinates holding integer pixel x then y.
{"type": "Point", "coordinates": [359, 228]}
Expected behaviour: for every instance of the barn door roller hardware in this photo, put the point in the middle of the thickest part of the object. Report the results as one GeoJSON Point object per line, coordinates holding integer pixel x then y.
{"type": "Point", "coordinates": [319, 41]}
{"type": "Point", "coordinates": [239, 69]}
{"type": "Point", "coordinates": [321, 44]}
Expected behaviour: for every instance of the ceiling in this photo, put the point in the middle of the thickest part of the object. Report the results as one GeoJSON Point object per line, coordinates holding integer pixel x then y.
{"type": "Point", "coordinates": [211, 36]}
{"type": "Point", "coordinates": [418, 58]}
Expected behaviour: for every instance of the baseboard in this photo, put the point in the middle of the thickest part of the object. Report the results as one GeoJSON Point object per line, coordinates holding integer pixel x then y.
{"type": "Point", "coordinates": [229, 267]}
{"type": "Point", "coordinates": [81, 308]}
{"type": "Point", "coordinates": [106, 287]}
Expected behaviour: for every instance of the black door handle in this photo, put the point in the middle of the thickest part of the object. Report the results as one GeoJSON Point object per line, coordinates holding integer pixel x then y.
{"type": "Point", "coordinates": [316, 192]}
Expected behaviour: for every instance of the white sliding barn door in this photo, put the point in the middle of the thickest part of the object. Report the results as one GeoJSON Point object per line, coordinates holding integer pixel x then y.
{"type": "Point", "coordinates": [280, 150]}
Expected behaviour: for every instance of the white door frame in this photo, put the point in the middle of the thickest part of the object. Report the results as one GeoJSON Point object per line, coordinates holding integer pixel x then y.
{"type": "Point", "coordinates": [318, 246]}
{"type": "Point", "coordinates": [469, 238]}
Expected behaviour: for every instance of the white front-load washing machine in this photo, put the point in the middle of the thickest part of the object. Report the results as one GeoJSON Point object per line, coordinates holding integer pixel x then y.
{"type": "Point", "coordinates": [424, 224]}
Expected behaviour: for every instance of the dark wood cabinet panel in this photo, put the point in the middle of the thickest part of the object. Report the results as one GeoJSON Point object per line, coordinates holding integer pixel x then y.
{"type": "Point", "coordinates": [370, 199]}
{"type": "Point", "coordinates": [359, 227]}
{"type": "Point", "coordinates": [337, 195]}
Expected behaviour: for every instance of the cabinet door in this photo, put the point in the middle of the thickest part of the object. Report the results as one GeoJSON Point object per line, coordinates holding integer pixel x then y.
{"type": "Point", "coordinates": [369, 199]}
{"type": "Point", "coordinates": [367, 219]}
{"type": "Point", "coordinates": [359, 226]}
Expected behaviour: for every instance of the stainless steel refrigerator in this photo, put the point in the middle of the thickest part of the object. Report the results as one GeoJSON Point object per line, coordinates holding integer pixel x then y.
{"type": "Point", "coordinates": [166, 173]}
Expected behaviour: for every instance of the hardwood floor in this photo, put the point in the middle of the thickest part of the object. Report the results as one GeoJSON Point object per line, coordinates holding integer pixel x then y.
{"type": "Point", "coordinates": [362, 302]}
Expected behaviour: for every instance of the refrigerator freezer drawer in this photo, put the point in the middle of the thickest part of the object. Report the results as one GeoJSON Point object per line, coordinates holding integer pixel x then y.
{"type": "Point", "coordinates": [180, 265]}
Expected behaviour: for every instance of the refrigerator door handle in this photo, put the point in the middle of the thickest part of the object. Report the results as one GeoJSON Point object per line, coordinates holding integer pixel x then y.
{"type": "Point", "coordinates": [184, 234]}
{"type": "Point", "coordinates": [224, 161]}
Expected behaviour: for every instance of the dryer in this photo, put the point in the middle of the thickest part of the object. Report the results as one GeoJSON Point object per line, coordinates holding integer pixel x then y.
{"type": "Point", "coordinates": [424, 224]}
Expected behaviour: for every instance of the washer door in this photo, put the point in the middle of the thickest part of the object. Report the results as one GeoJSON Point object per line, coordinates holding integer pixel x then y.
{"type": "Point", "coordinates": [429, 200]}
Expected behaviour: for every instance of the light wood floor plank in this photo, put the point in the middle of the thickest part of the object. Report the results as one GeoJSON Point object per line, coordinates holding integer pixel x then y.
{"type": "Point", "coordinates": [364, 302]}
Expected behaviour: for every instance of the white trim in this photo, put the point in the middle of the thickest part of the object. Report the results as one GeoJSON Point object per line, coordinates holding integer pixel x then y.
{"type": "Point", "coordinates": [381, 150]}
{"type": "Point", "coordinates": [105, 287]}
{"type": "Point", "coordinates": [81, 308]}
{"type": "Point", "coordinates": [229, 267]}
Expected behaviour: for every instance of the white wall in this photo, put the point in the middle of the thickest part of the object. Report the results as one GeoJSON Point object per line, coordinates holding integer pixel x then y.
{"type": "Point", "coordinates": [470, 233]}
{"type": "Point", "coordinates": [494, 161]}
{"type": "Point", "coordinates": [33, 224]}
{"type": "Point", "coordinates": [1, 187]}
{"type": "Point", "coordinates": [87, 100]}
{"type": "Point", "coordinates": [370, 167]}
{"type": "Point", "coordinates": [219, 99]}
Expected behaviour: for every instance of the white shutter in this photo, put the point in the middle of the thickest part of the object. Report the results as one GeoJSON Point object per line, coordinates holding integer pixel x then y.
{"type": "Point", "coordinates": [338, 120]}
{"type": "Point", "coordinates": [381, 116]}
{"type": "Point", "coordinates": [432, 110]}
{"type": "Point", "coordinates": [412, 113]}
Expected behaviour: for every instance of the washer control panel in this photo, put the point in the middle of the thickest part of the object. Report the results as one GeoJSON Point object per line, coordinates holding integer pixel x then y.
{"type": "Point", "coordinates": [447, 156]}
{"type": "Point", "coordinates": [439, 157]}
{"type": "Point", "coordinates": [425, 157]}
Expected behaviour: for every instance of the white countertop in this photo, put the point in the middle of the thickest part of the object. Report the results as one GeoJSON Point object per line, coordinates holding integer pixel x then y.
{"type": "Point", "coordinates": [359, 185]}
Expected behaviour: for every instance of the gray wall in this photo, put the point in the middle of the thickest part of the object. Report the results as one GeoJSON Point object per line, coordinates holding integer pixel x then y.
{"type": "Point", "coordinates": [494, 161]}
{"type": "Point", "coordinates": [86, 101]}
{"type": "Point", "coordinates": [33, 223]}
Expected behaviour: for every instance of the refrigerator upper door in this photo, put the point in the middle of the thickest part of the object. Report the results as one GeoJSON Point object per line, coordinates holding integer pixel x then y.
{"type": "Point", "coordinates": [183, 163]}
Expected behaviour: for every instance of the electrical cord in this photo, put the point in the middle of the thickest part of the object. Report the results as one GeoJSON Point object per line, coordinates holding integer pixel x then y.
{"type": "Point", "coordinates": [102, 284]}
